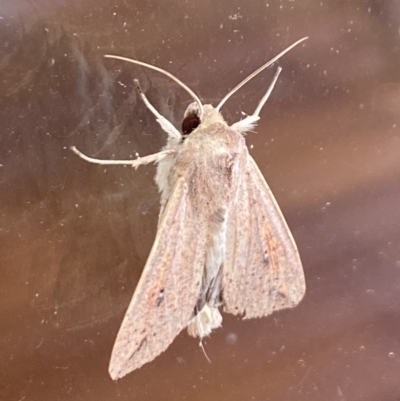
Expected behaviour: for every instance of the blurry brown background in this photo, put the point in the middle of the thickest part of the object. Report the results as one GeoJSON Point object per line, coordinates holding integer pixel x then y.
{"type": "Point", "coordinates": [74, 237]}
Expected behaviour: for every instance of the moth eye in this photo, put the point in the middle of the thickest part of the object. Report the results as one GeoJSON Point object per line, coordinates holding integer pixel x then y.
{"type": "Point", "coordinates": [190, 123]}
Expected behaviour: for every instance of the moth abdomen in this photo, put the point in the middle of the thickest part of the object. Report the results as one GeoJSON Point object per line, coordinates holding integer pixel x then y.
{"type": "Point", "coordinates": [208, 319]}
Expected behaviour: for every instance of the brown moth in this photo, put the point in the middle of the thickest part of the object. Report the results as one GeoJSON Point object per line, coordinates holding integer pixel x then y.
{"type": "Point", "coordinates": [221, 237]}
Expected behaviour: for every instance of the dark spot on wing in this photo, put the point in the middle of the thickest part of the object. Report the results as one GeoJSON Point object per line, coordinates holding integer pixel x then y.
{"type": "Point", "coordinates": [142, 344]}
{"type": "Point", "coordinates": [160, 297]}
{"type": "Point", "coordinates": [266, 258]}
{"type": "Point", "coordinates": [276, 293]}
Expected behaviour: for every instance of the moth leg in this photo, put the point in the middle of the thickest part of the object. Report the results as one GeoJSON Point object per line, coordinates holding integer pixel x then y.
{"type": "Point", "coordinates": [154, 158]}
{"type": "Point", "coordinates": [249, 122]}
{"type": "Point", "coordinates": [165, 124]}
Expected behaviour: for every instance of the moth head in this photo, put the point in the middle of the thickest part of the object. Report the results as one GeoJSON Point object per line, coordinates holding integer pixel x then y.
{"type": "Point", "coordinates": [193, 117]}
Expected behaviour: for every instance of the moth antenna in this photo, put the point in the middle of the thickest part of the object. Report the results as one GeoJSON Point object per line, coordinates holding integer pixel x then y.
{"type": "Point", "coordinates": [204, 351]}
{"type": "Point", "coordinates": [256, 72]}
{"type": "Point", "coordinates": [168, 74]}
{"type": "Point", "coordinates": [267, 94]}
{"type": "Point", "coordinates": [145, 100]}
{"type": "Point", "coordinates": [164, 123]}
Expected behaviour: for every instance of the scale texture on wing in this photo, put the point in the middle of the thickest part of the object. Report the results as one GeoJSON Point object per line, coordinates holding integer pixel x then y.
{"type": "Point", "coordinates": [167, 292]}
{"type": "Point", "coordinates": [262, 271]}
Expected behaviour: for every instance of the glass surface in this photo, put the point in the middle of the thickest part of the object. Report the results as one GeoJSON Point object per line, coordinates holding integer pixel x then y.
{"type": "Point", "coordinates": [74, 237]}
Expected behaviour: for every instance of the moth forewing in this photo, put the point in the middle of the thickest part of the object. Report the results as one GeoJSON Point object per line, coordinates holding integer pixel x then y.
{"type": "Point", "coordinates": [168, 288]}
{"type": "Point", "coordinates": [221, 237]}
{"type": "Point", "coordinates": [265, 273]}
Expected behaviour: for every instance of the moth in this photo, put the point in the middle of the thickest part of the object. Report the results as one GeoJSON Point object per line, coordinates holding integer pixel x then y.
{"type": "Point", "coordinates": [221, 240]}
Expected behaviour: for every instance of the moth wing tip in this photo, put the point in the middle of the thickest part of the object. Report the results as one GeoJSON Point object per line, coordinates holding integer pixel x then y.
{"type": "Point", "coordinates": [299, 292]}
{"type": "Point", "coordinates": [114, 372]}
{"type": "Point", "coordinates": [118, 368]}
{"type": "Point", "coordinates": [118, 372]}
